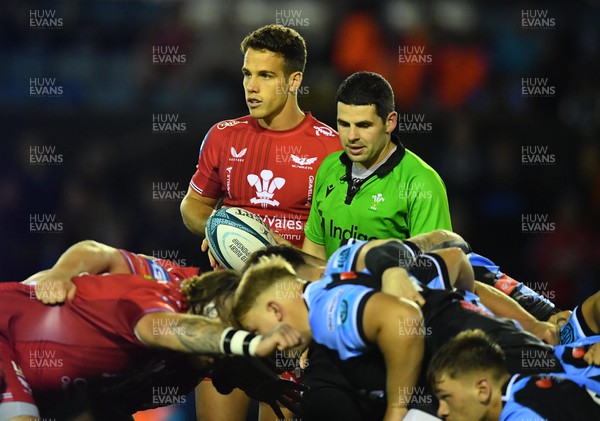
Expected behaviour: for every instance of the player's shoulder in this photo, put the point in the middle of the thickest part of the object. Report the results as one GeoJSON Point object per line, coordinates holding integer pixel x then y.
{"type": "Point", "coordinates": [344, 258]}
{"type": "Point", "coordinates": [112, 286]}
{"type": "Point", "coordinates": [320, 129]}
{"type": "Point", "coordinates": [344, 282]}
{"type": "Point", "coordinates": [225, 126]}
{"type": "Point", "coordinates": [218, 134]}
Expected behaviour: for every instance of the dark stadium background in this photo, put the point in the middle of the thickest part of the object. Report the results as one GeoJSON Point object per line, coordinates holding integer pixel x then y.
{"type": "Point", "coordinates": [110, 171]}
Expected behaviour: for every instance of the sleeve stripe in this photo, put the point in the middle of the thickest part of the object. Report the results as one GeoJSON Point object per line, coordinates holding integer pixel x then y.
{"type": "Point", "coordinates": [128, 259]}
{"type": "Point", "coordinates": [195, 187]}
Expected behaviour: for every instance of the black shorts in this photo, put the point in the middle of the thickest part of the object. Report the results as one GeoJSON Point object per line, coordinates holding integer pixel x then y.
{"type": "Point", "coordinates": [334, 391]}
{"type": "Point", "coordinates": [446, 316]}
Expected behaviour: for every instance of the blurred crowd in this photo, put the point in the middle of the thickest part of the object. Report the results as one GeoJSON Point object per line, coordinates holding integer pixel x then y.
{"type": "Point", "coordinates": [87, 161]}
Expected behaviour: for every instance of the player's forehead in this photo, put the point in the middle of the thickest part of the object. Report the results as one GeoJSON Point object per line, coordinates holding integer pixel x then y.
{"type": "Point", "coordinates": [357, 113]}
{"type": "Point", "coordinates": [442, 383]}
{"type": "Point", "coordinates": [255, 319]}
{"type": "Point", "coordinates": [257, 61]}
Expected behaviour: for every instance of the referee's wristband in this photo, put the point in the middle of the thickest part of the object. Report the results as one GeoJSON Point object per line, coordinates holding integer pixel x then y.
{"type": "Point", "coordinates": [239, 342]}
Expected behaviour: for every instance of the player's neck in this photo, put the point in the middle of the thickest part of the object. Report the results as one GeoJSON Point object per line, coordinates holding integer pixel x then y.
{"type": "Point", "coordinates": [310, 273]}
{"type": "Point", "coordinates": [290, 116]}
{"type": "Point", "coordinates": [496, 404]}
{"type": "Point", "coordinates": [494, 411]}
{"type": "Point", "coordinates": [304, 327]}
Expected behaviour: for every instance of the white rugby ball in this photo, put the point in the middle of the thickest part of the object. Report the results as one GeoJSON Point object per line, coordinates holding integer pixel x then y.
{"type": "Point", "coordinates": [233, 234]}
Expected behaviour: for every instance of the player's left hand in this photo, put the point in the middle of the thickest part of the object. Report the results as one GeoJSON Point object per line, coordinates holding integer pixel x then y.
{"type": "Point", "coordinates": [560, 318]}
{"type": "Point", "coordinates": [53, 287]}
{"type": "Point", "coordinates": [592, 356]}
{"type": "Point", "coordinates": [213, 262]}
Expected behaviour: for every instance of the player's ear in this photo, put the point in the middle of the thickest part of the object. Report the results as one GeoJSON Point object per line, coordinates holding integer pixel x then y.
{"type": "Point", "coordinates": [275, 308]}
{"type": "Point", "coordinates": [391, 122]}
{"type": "Point", "coordinates": [294, 81]}
{"type": "Point", "coordinates": [483, 390]}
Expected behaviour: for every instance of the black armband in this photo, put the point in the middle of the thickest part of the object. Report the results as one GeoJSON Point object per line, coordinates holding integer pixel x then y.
{"type": "Point", "coordinates": [239, 342]}
{"type": "Point", "coordinates": [386, 256]}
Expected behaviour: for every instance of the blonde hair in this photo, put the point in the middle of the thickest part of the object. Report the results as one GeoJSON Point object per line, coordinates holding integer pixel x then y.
{"type": "Point", "coordinates": [257, 279]}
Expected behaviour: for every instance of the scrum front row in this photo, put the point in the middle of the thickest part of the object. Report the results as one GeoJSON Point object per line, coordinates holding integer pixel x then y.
{"type": "Point", "coordinates": [382, 328]}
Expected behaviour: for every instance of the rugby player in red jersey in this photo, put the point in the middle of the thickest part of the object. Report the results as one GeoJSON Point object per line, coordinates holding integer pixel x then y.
{"type": "Point", "coordinates": [264, 162]}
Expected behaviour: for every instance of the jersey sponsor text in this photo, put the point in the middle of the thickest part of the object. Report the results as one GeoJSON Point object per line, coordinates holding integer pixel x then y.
{"type": "Point", "coordinates": [343, 233]}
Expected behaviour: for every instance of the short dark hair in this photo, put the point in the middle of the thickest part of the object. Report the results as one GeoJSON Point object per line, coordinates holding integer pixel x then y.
{"type": "Point", "coordinates": [208, 290]}
{"type": "Point", "coordinates": [291, 254]}
{"type": "Point", "coordinates": [467, 352]}
{"type": "Point", "coordinates": [367, 88]}
{"type": "Point", "coordinates": [281, 40]}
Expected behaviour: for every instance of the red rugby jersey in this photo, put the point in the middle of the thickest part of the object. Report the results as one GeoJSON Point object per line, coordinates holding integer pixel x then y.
{"type": "Point", "coordinates": [268, 172]}
{"type": "Point", "coordinates": [158, 269]}
{"type": "Point", "coordinates": [87, 339]}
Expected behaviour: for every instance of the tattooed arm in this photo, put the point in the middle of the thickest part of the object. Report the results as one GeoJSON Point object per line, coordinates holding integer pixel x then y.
{"type": "Point", "coordinates": [438, 239]}
{"type": "Point", "coordinates": [199, 335]}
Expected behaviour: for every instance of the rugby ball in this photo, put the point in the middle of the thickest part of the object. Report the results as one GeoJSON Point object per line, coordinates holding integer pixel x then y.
{"type": "Point", "coordinates": [233, 234]}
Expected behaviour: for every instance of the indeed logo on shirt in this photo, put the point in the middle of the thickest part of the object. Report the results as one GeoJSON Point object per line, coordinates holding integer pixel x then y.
{"type": "Point", "coordinates": [344, 233]}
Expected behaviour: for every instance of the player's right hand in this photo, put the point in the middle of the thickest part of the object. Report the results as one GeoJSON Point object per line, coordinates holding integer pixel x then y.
{"type": "Point", "coordinates": [213, 262]}
{"type": "Point", "coordinates": [53, 288]}
{"type": "Point", "coordinates": [280, 240]}
{"type": "Point", "coordinates": [280, 338]}
{"type": "Point", "coordinates": [259, 383]}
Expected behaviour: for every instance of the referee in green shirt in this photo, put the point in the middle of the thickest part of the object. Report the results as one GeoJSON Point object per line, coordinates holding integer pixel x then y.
{"type": "Point", "coordinates": [375, 188]}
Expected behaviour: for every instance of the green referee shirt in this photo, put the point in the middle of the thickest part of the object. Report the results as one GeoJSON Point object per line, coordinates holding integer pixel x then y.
{"type": "Point", "coordinates": [402, 198]}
